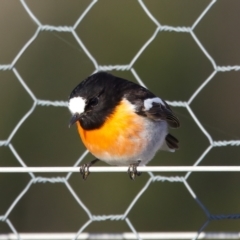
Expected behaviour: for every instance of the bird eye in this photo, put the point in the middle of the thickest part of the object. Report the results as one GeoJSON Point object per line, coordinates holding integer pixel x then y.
{"type": "Point", "coordinates": [93, 102]}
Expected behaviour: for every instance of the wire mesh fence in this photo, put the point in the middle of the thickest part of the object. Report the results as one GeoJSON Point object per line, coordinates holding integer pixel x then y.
{"type": "Point", "coordinates": [14, 142]}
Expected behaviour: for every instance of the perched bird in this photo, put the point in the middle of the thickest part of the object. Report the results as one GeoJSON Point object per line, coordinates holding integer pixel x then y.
{"type": "Point", "coordinates": [121, 122]}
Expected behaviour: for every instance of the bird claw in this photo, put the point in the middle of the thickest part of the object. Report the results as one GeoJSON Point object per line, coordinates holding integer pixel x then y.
{"type": "Point", "coordinates": [84, 170]}
{"type": "Point", "coordinates": [132, 171]}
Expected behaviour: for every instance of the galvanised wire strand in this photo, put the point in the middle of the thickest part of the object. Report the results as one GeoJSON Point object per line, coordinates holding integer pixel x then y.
{"type": "Point", "coordinates": [134, 234]}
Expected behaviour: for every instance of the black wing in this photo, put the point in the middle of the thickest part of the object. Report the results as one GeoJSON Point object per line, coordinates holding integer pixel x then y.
{"type": "Point", "coordinates": [160, 112]}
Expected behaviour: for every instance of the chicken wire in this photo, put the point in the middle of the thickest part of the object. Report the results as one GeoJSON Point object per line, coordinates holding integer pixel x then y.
{"type": "Point", "coordinates": [134, 234]}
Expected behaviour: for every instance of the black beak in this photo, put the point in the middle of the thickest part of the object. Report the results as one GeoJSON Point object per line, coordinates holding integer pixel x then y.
{"type": "Point", "coordinates": [74, 119]}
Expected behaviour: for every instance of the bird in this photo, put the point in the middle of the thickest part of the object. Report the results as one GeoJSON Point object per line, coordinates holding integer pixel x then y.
{"type": "Point", "coordinates": [120, 122]}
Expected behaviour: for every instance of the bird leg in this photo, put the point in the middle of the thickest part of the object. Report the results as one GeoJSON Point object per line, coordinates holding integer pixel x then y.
{"type": "Point", "coordinates": [84, 169]}
{"type": "Point", "coordinates": [132, 170]}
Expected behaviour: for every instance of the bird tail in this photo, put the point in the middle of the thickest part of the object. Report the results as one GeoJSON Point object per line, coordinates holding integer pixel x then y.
{"type": "Point", "coordinates": [171, 143]}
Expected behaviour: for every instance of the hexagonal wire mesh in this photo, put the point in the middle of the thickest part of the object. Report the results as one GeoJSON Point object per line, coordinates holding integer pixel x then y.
{"type": "Point", "coordinates": [146, 50]}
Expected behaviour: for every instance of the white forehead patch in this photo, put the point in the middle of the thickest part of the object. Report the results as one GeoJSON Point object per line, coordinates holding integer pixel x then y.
{"type": "Point", "coordinates": [76, 105]}
{"type": "Point", "coordinates": [149, 102]}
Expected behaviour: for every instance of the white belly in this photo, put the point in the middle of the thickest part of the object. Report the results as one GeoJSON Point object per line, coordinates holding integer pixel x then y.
{"type": "Point", "coordinates": [153, 137]}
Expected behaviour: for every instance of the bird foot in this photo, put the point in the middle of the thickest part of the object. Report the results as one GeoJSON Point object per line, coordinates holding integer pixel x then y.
{"type": "Point", "coordinates": [132, 170]}
{"type": "Point", "coordinates": [84, 169]}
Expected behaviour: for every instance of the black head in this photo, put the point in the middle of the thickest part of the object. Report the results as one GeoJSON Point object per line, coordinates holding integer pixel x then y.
{"type": "Point", "coordinates": [96, 97]}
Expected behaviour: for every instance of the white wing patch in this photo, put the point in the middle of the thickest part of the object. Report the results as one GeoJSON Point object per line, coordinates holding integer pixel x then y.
{"type": "Point", "coordinates": [149, 102]}
{"type": "Point", "coordinates": [76, 105]}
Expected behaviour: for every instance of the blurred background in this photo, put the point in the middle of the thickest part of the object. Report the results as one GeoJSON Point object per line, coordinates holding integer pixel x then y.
{"type": "Point", "coordinates": [173, 66]}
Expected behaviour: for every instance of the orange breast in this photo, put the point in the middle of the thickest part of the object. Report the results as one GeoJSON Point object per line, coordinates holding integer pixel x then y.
{"type": "Point", "coordinates": [121, 136]}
